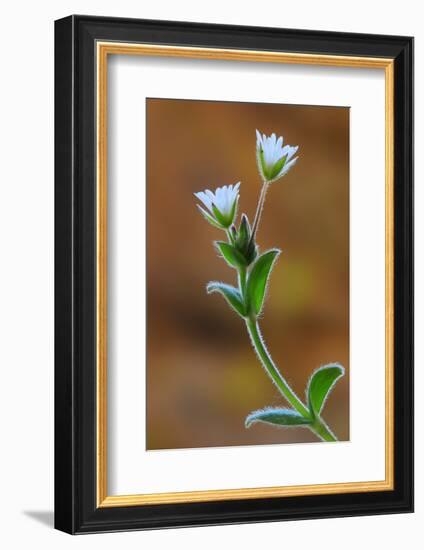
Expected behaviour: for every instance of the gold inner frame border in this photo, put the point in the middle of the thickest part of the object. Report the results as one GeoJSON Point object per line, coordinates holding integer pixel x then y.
{"type": "Point", "coordinates": [103, 50]}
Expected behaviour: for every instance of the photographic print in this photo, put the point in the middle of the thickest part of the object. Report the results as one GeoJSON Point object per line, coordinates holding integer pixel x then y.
{"type": "Point", "coordinates": [247, 274]}
{"type": "Point", "coordinates": [233, 275]}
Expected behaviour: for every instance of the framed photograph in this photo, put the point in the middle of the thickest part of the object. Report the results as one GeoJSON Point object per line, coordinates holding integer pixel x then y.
{"type": "Point", "coordinates": [234, 274]}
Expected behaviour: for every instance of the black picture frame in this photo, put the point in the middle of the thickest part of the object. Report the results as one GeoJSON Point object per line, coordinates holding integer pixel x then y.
{"type": "Point", "coordinates": [76, 510]}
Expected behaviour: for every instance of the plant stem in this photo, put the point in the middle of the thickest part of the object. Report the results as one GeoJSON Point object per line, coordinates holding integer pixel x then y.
{"type": "Point", "coordinates": [319, 427]}
{"type": "Point", "coordinates": [242, 272]}
{"type": "Point", "coordinates": [322, 430]}
{"type": "Point", "coordinates": [272, 370]}
{"type": "Point", "coordinates": [259, 209]}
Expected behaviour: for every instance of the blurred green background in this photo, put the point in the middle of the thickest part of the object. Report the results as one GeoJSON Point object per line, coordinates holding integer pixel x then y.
{"type": "Point", "coordinates": [203, 377]}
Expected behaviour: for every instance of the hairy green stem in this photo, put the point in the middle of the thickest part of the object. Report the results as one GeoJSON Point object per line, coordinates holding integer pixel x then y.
{"type": "Point", "coordinates": [319, 427]}
{"type": "Point", "coordinates": [259, 209]}
{"type": "Point", "coordinates": [272, 370]}
{"type": "Point", "coordinates": [242, 274]}
{"type": "Point", "coordinates": [322, 430]}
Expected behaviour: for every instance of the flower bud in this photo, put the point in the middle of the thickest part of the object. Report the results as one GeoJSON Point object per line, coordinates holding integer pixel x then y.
{"type": "Point", "coordinates": [244, 242]}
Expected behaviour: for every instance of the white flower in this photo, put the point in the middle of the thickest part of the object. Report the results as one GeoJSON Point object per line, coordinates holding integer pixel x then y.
{"type": "Point", "coordinates": [222, 205]}
{"type": "Point", "coordinates": [274, 160]}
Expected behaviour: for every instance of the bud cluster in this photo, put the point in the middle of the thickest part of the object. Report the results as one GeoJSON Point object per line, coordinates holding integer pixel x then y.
{"type": "Point", "coordinates": [243, 240]}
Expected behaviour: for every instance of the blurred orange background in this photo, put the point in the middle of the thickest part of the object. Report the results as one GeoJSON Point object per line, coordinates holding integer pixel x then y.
{"type": "Point", "coordinates": [203, 377]}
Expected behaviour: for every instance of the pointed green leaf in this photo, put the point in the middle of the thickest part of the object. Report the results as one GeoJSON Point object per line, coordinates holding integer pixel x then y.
{"type": "Point", "coordinates": [234, 210]}
{"type": "Point", "coordinates": [209, 218]}
{"type": "Point", "coordinates": [252, 252]}
{"type": "Point", "coordinates": [276, 416]}
{"type": "Point", "coordinates": [258, 280]}
{"type": "Point", "coordinates": [231, 255]}
{"type": "Point", "coordinates": [231, 294]}
{"type": "Point", "coordinates": [263, 169]}
{"type": "Point", "coordinates": [233, 233]}
{"type": "Point", "coordinates": [320, 385]}
{"type": "Point", "coordinates": [278, 167]}
{"type": "Point", "coordinates": [221, 219]}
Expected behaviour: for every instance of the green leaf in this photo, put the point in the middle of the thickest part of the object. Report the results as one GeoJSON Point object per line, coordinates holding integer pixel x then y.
{"type": "Point", "coordinates": [233, 233]}
{"type": "Point", "coordinates": [209, 218]}
{"type": "Point", "coordinates": [234, 210]}
{"type": "Point", "coordinates": [220, 218]}
{"type": "Point", "coordinates": [258, 280]}
{"type": "Point", "coordinates": [263, 168]}
{"type": "Point", "coordinates": [231, 255]}
{"type": "Point", "coordinates": [231, 294]}
{"type": "Point", "coordinates": [278, 167]}
{"type": "Point", "coordinates": [252, 252]}
{"type": "Point", "coordinates": [320, 385]}
{"type": "Point", "coordinates": [276, 416]}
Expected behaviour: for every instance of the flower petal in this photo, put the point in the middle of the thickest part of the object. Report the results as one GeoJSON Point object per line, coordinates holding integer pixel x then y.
{"type": "Point", "coordinates": [289, 151]}
{"type": "Point", "coordinates": [209, 218]}
{"type": "Point", "coordinates": [205, 199]}
{"type": "Point", "coordinates": [258, 139]}
{"type": "Point", "coordinates": [287, 167]}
